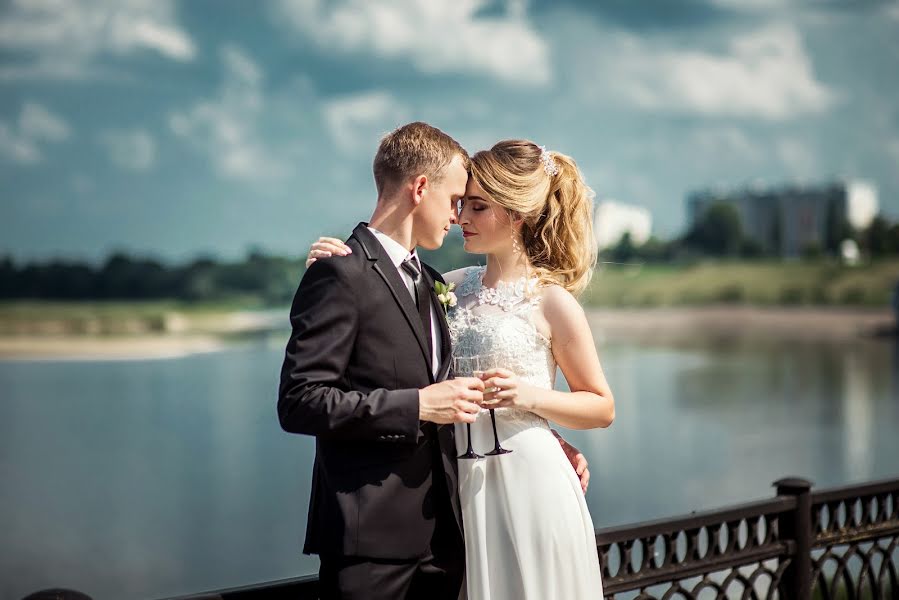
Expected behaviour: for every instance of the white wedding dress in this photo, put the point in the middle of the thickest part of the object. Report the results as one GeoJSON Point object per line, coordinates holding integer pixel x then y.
{"type": "Point", "coordinates": [528, 533]}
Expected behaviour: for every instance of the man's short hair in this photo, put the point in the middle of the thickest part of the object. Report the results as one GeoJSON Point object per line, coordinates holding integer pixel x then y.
{"type": "Point", "coordinates": [414, 149]}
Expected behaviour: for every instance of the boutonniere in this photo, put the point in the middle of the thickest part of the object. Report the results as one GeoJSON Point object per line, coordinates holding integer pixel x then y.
{"type": "Point", "coordinates": [445, 295]}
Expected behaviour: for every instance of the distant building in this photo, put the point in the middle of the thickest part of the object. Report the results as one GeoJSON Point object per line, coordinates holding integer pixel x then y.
{"type": "Point", "coordinates": [613, 219]}
{"type": "Point", "coordinates": [791, 219]}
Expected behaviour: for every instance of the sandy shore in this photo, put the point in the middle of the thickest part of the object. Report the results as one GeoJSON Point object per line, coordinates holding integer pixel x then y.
{"type": "Point", "coordinates": [744, 322]}
{"type": "Point", "coordinates": [637, 325]}
{"type": "Point", "coordinates": [146, 347]}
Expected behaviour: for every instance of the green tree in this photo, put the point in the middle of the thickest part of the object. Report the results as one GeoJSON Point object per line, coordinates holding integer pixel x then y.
{"type": "Point", "coordinates": [624, 251]}
{"type": "Point", "coordinates": [836, 229]}
{"type": "Point", "coordinates": [876, 238]}
{"type": "Point", "coordinates": [893, 240]}
{"type": "Point", "coordinates": [718, 232]}
{"type": "Point", "coordinates": [656, 250]}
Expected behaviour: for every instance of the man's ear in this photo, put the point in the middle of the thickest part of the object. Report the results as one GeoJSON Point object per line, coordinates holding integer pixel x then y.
{"type": "Point", "coordinates": [419, 186]}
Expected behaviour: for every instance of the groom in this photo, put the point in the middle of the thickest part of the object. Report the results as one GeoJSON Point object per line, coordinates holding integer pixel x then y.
{"type": "Point", "coordinates": [365, 372]}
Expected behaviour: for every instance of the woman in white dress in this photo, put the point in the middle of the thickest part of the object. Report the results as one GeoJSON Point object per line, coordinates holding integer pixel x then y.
{"type": "Point", "coordinates": [528, 533]}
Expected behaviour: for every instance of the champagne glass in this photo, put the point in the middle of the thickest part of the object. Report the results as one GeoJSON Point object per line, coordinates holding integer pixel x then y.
{"type": "Point", "coordinates": [489, 362]}
{"type": "Point", "coordinates": [467, 366]}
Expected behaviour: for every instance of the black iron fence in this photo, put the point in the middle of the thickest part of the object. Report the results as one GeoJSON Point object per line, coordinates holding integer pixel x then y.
{"type": "Point", "coordinates": [841, 543]}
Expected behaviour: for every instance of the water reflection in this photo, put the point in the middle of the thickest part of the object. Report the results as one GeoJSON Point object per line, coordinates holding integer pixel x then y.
{"type": "Point", "coordinates": [895, 372]}
{"type": "Point", "coordinates": [148, 479]}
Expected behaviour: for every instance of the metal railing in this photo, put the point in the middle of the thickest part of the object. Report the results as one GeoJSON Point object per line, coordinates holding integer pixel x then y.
{"type": "Point", "coordinates": [829, 544]}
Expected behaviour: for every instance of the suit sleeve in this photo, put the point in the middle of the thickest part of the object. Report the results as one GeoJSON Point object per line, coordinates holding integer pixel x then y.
{"type": "Point", "coordinates": [314, 396]}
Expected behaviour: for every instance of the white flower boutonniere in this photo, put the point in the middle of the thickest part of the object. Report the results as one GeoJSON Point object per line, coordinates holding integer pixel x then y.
{"type": "Point", "coordinates": [445, 295]}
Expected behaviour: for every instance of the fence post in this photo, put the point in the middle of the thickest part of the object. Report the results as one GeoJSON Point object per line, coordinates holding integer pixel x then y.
{"type": "Point", "coordinates": [797, 526]}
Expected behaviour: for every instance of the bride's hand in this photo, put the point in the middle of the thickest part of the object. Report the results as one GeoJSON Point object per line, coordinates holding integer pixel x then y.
{"type": "Point", "coordinates": [325, 247]}
{"type": "Point", "coordinates": [507, 390]}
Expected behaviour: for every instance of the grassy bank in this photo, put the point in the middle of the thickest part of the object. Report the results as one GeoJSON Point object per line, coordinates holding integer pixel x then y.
{"type": "Point", "coordinates": [712, 283]}
{"type": "Point", "coordinates": [755, 283]}
{"type": "Point", "coordinates": [37, 317]}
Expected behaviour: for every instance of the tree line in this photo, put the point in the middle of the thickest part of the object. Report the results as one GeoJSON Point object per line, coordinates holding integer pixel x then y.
{"type": "Point", "coordinates": [260, 277]}
{"type": "Point", "coordinates": [272, 280]}
{"type": "Point", "coordinates": [268, 279]}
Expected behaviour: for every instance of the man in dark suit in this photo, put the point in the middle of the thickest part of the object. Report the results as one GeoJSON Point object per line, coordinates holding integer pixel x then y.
{"type": "Point", "coordinates": [365, 372]}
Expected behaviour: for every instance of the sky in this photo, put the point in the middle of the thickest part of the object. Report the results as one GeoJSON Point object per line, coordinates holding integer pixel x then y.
{"type": "Point", "coordinates": [178, 129]}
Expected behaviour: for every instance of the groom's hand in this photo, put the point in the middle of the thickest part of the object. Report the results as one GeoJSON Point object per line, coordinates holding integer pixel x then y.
{"type": "Point", "coordinates": [451, 401]}
{"type": "Point", "coordinates": [578, 461]}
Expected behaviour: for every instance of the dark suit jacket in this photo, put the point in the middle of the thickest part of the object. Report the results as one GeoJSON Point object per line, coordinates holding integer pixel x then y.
{"type": "Point", "coordinates": [352, 370]}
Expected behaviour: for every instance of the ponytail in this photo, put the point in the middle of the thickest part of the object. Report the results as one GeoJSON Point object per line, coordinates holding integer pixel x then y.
{"type": "Point", "coordinates": [547, 190]}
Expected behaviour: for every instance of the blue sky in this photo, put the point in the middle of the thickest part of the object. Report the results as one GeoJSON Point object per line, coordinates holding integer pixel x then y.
{"type": "Point", "coordinates": [183, 128]}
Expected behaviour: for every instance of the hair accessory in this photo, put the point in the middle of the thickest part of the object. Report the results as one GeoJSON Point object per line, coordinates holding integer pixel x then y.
{"type": "Point", "coordinates": [550, 166]}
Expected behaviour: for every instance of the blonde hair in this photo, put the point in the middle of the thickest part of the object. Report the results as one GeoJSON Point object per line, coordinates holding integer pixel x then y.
{"type": "Point", "coordinates": [557, 210]}
{"type": "Point", "coordinates": [414, 149]}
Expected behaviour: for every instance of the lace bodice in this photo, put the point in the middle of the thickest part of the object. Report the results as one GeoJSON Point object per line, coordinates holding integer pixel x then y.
{"type": "Point", "coordinates": [498, 323]}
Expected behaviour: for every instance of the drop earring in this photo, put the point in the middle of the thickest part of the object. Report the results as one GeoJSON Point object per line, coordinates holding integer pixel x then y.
{"type": "Point", "coordinates": [516, 246]}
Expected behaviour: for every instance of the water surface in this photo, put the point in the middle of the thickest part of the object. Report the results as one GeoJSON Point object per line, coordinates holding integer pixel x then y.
{"type": "Point", "coordinates": [145, 479]}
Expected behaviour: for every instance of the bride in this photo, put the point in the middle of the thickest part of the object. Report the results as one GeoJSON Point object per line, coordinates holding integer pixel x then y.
{"type": "Point", "coordinates": [528, 533]}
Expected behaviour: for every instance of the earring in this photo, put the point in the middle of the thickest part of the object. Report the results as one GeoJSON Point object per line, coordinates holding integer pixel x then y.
{"type": "Point", "coordinates": [516, 246]}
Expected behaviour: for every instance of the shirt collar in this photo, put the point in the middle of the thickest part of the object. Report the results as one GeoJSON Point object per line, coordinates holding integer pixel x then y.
{"type": "Point", "coordinates": [396, 251]}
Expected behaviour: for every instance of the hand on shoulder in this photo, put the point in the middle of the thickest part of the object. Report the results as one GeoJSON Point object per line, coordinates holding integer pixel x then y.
{"type": "Point", "coordinates": [325, 247]}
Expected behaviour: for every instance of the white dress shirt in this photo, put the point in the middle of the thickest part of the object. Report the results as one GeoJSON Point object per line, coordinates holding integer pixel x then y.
{"type": "Point", "coordinates": [398, 253]}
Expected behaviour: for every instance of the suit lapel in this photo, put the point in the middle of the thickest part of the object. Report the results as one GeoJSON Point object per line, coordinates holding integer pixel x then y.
{"type": "Point", "coordinates": [384, 267]}
{"type": "Point", "coordinates": [446, 350]}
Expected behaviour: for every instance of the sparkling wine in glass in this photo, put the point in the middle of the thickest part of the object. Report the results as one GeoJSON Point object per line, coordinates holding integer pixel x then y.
{"type": "Point", "coordinates": [467, 366]}
{"type": "Point", "coordinates": [487, 363]}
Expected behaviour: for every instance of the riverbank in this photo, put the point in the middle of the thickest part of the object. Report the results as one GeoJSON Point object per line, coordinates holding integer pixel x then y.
{"type": "Point", "coordinates": [94, 348]}
{"type": "Point", "coordinates": [210, 333]}
{"type": "Point", "coordinates": [126, 331]}
{"type": "Point", "coordinates": [743, 322]}
{"type": "Point", "coordinates": [744, 283]}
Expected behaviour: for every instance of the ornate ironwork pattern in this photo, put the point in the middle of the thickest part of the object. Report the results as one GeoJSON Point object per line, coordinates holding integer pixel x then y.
{"type": "Point", "coordinates": [841, 543]}
{"type": "Point", "coordinates": [721, 554]}
{"type": "Point", "coordinates": [855, 552]}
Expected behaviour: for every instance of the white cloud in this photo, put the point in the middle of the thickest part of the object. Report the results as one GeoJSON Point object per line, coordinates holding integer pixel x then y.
{"type": "Point", "coordinates": [749, 5]}
{"type": "Point", "coordinates": [17, 148]}
{"type": "Point", "coordinates": [142, 33]}
{"type": "Point", "coordinates": [225, 127]}
{"type": "Point", "coordinates": [130, 149]}
{"type": "Point", "coordinates": [358, 121]}
{"type": "Point", "coordinates": [764, 74]}
{"type": "Point", "coordinates": [242, 69]}
{"type": "Point", "coordinates": [20, 143]}
{"type": "Point", "coordinates": [37, 123]}
{"type": "Point", "coordinates": [437, 37]}
{"type": "Point", "coordinates": [63, 39]}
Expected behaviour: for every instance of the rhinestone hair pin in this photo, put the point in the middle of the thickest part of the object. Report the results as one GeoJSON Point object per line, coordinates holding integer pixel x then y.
{"type": "Point", "coordinates": [550, 166]}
